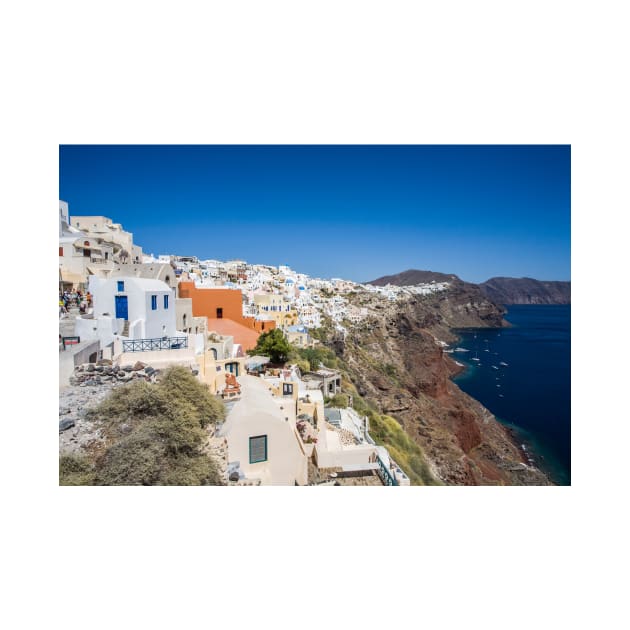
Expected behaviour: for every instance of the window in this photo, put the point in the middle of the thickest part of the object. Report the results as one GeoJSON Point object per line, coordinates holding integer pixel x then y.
{"type": "Point", "coordinates": [219, 313]}
{"type": "Point", "coordinates": [121, 286]}
{"type": "Point", "coordinates": [61, 251]}
{"type": "Point", "coordinates": [257, 449]}
{"type": "Point", "coordinates": [165, 302]}
{"type": "Point", "coordinates": [287, 389]}
{"type": "Point", "coordinates": [154, 302]}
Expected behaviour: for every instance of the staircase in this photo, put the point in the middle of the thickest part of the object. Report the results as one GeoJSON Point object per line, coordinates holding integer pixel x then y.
{"type": "Point", "coordinates": [125, 330]}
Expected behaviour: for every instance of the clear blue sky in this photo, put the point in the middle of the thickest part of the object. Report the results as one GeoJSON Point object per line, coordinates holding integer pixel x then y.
{"type": "Point", "coordinates": [356, 212]}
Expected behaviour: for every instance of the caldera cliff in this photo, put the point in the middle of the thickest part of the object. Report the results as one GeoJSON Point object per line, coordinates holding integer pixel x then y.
{"type": "Point", "coordinates": [395, 361]}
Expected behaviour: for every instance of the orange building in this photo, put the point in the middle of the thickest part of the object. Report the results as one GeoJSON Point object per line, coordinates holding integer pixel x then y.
{"type": "Point", "coordinates": [224, 310]}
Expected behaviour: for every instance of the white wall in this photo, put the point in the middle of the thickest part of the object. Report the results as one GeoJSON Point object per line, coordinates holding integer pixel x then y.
{"type": "Point", "coordinates": [331, 454]}
{"type": "Point", "coordinates": [144, 321]}
{"type": "Point", "coordinates": [103, 329]}
{"type": "Point", "coordinates": [258, 414]}
{"type": "Point", "coordinates": [64, 216]}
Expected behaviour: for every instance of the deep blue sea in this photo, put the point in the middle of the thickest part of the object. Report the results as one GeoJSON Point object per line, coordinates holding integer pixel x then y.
{"type": "Point", "coordinates": [532, 393]}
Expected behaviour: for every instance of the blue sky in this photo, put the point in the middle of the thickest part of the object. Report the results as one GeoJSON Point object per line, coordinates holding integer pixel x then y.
{"type": "Point", "coordinates": [356, 212]}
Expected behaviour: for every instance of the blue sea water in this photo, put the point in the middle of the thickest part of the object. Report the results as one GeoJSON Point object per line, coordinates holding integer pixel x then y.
{"type": "Point", "coordinates": [532, 394]}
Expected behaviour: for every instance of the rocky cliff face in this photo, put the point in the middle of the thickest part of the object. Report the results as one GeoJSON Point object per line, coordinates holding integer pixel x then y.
{"type": "Point", "coordinates": [526, 291]}
{"type": "Point", "coordinates": [397, 363]}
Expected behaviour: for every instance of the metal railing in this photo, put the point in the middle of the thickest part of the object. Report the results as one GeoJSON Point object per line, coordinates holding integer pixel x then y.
{"type": "Point", "coordinates": [383, 472]}
{"type": "Point", "coordinates": [160, 343]}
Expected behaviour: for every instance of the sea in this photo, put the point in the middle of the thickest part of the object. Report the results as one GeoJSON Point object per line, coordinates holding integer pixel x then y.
{"type": "Point", "coordinates": [523, 376]}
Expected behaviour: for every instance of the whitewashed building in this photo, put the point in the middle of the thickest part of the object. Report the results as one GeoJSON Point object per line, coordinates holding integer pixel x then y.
{"type": "Point", "coordinates": [147, 305]}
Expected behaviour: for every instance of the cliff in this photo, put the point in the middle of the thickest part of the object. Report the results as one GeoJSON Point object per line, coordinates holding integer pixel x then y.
{"type": "Point", "coordinates": [526, 291]}
{"type": "Point", "coordinates": [397, 364]}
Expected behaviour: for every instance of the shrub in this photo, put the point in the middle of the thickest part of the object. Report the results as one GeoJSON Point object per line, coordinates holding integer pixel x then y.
{"type": "Point", "coordinates": [75, 470]}
{"type": "Point", "coordinates": [179, 384]}
{"type": "Point", "coordinates": [135, 460]}
{"type": "Point", "coordinates": [156, 433]}
{"type": "Point", "coordinates": [339, 400]}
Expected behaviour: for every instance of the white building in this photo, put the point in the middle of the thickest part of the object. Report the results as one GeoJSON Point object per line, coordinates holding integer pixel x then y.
{"type": "Point", "coordinates": [262, 439]}
{"type": "Point", "coordinates": [148, 305]}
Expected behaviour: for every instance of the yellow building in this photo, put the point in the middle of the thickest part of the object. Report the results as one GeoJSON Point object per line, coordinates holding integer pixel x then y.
{"type": "Point", "coordinates": [277, 307]}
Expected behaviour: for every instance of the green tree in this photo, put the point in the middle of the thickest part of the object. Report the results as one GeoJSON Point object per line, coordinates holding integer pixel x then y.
{"type": "Point", "coordinates": [274, 345]}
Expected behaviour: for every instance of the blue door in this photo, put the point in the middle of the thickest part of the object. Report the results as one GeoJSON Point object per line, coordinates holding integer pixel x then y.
{"type": "Point", "coordinates": [121, 307]}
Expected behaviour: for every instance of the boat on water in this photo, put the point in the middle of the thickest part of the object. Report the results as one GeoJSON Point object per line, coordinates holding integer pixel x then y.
{"type": "Point", "coordinates": [461, 350]}
{"type": "Point", "coordinates": [486, 350]}
{"type": "Point", "coordinates": [494, 367]}
{"type": "Point", "coordinates": [501, 396]}
{"type": "Point", "coordinates": [503, 363]}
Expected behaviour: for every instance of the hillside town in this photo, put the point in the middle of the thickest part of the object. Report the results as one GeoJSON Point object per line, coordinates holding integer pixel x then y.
{"type": "Point", "coordinates": [125, 314]}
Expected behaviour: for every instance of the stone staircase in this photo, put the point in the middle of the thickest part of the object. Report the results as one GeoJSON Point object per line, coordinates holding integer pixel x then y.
{"type": "Point", "coordinates": [125, 330]}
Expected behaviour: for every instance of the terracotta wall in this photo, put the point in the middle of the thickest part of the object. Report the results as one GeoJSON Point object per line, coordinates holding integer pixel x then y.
{"type": "Point", "coordinates": [205, 303]}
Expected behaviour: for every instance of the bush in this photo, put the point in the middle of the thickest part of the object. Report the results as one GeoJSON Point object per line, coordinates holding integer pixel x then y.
{"type": "Point", "coordinates": [179, 384]}
{"type": "Point", "coordinates": [303, 365]}
{"type": "Point", "coordinates": [156, 433]}
{"type": "Point", "coordinates": [135, 460]}
{"type": "Point", "coordinates": [75, 470]}
{"type": "Point", "coordinates": [339, 401]}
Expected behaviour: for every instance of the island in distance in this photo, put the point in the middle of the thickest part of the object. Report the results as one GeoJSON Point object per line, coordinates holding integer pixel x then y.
{"type": "Point", "coordinates": [500, 290]}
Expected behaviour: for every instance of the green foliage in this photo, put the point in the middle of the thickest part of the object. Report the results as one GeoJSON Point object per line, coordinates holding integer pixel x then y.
{"type": "Point", "coordinates": [386, 431]}
{"type": "Point", "coordinates": [135, 460]}
{"type": "Point", "coordinates": [156, 433]}
{"type": "Point", "coordinates": [75, 470]}
{"type": "Point", "coordinates": [339, 400]}
{"type": "Point", "coordinates": [318, 355]}
{"type": "Point", "coordinates": [179, 384]}
{"type": "Point", "coordinates": [274, 345]}
{"type": "Point", "coordinates": [303, 365]}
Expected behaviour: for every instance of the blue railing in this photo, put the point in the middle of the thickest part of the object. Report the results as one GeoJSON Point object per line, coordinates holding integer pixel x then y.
{"type": "Point", "coordinates": [161, 343]}
{"type": "Point", "coordinates": [383, 472]}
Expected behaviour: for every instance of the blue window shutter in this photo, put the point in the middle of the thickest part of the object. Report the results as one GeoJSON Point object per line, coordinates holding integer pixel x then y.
{"type": "Point", "coordinates": [154, 302]}
{"type": "Point", "coordinates": [121, 285]}
{"type": "Point", "coordinates": [165, 302]}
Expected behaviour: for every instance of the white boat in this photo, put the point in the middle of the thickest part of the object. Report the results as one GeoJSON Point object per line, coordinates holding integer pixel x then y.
{"type": "Point", "coordinates": [503, 363]}
{"type": "Point", "coordinates": [494, 367]}
{"type": "Point", "coordinates": [461, 350]}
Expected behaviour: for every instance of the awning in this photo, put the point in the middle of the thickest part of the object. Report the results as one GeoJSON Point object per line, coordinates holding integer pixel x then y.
{"type": "Point", "coordinates": [69, 276]}
{"type": "Point", "coordinates": [256, 361]}
{"type": "Point", "coordinates": [92, 248]}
